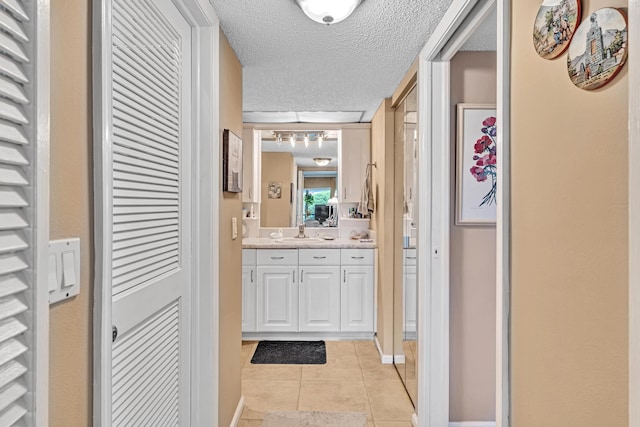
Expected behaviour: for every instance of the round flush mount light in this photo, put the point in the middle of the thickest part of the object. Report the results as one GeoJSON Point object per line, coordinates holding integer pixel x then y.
{"type": "Point", "coordinates": [322, 161]}
{"type": "Point", "coordinates": [328, 11]}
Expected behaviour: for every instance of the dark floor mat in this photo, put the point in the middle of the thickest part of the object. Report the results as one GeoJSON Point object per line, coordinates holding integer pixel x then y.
{"type": "Point", "coordinates": [290, 353]}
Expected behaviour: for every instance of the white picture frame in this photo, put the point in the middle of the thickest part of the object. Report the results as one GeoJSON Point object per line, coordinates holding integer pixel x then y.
{"type": "Point", "coordinates": [476, 164]}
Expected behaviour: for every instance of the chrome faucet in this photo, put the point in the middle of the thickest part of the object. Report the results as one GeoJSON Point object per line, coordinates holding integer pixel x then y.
{"type": "Point", "coordinates": [301, 234]}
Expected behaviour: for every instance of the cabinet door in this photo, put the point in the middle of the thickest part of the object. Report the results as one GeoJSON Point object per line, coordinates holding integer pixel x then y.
{"type": "Point", "coordinates": [277, 299]}
{"type": "Point", "coordinates": [410, 298]}
{"type": "Point", "coordinates": [355, 155]}
{"type": "Point", "coordinates": [357, 299]}
{"type": "Point", "coordinates": [319, 298]}
{"type": "Point", "coordinates": [248, 299]}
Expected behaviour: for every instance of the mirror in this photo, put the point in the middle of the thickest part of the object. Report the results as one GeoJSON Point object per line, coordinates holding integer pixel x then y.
{"type": "Point", "coordinates": [299, 178]}
{"type": "Point", "coordinates": [406, 134]}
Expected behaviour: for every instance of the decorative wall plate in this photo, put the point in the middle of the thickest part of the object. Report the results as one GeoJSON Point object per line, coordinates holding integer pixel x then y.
{"type": "Point", "coordinates": [554, 26]}
{"type": "Point", "coordinates": [599, 49]}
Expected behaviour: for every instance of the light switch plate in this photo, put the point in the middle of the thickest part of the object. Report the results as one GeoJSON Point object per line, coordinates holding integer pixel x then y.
{"type": "Point", "coordinates": [234, 228]}
{"type": "Point", "coordinates": [64, 269]}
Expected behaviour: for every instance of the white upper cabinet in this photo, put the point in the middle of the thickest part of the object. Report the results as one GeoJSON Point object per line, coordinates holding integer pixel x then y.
{"type": "Point", "coordinates": [250, 166]}
{"type": "Point", "coordinates": [355, 156]}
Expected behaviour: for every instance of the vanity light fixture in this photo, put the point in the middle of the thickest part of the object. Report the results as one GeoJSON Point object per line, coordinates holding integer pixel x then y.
{"type": "Point", "coordinates": [328, 11]}
{"type": "Point", "coordinates": [322, 161]}
{"type": "Point", "coordinates": [320, 139]}
{"type": "Point", "coordinates": [306, 140]}
{"type": "Point", "coordinates": [292, 139]}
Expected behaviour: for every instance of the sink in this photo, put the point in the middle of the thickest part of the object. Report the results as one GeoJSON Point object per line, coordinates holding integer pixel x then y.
{"type": "Point", "coordinates": [299, 240]}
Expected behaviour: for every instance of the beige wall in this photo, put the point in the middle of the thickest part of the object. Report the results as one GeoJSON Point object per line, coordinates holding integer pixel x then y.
{"type": "Point", "coordinates": [276, 167]}
{"type": "Point", "coordinates": [231, 250]}
{"type": "Point", "coordinates": [569, 242]}
{"type": "Point", "coordinates": [319, 182]}
{"type": "Point", "coordinates": [382, 220]}
{"type": "Point", "coordinates": [70, 358]}
{"type": "Point", "coordinates": [473, 268]}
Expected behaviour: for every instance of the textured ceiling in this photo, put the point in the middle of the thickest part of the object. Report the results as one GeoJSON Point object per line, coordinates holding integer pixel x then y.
{"type": "Point", "coordinates": [292, 64]}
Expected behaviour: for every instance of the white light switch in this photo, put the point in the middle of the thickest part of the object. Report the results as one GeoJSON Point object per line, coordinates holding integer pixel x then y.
{"type": "Point", "coordinates": [68, 269]}
{"type": "Point", "coordinates": [64, 269]}
{"type": "Point", "coordinates": [53, 273]}
{"type": "Point", "coordinates": [234, 228]}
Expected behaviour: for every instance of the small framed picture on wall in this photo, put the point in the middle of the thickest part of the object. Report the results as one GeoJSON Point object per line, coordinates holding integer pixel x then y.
{"type": "Point", "coordinates": [231, 162]}
{"type": "Point", "coordinates": [476, 165]}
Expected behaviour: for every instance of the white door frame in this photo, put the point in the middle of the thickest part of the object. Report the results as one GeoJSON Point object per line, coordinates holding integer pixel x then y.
{"type": "Point", "coordinates": [458, 23]}
{"type": "Point", "coordinates": [634, 214]}
{"type": "Point", "coordinates": [205, 195]}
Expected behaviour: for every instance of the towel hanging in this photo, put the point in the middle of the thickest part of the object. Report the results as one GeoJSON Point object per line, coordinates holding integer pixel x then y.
{"type": "Point", "coordinates": [367, 203]}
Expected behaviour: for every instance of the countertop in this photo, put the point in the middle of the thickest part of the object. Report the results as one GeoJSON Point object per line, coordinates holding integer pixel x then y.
{"type": "Point", "coordinates": [341, 243]}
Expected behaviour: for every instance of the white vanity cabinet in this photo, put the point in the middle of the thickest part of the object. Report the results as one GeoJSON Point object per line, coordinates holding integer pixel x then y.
{"type": "Point", "coordinates": [355, 156]}
{"type": "Point", "coordinates": [319, 286]}
{"type": "Point", "coordinates": [250, 166]}
{"type": "Point", "coordinates": [357, 289]}
{"type": "Point", "coordinates": [410, 290]}
{"type": "Point", "coordinates": [307, 293]}
{"type": "Point", "coordinates": [277, 292]}
{"type": "Point", "coordinates": [249, 281]}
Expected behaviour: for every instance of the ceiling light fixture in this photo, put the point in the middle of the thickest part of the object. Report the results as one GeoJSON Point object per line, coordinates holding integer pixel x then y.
{"type": "Point", "coordinates": [322, 161]}
{"type": "Point", "coordinates": [328, 11]}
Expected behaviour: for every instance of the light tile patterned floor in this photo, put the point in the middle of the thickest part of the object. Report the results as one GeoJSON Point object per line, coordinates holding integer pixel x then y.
{"type": "Point", "coordinates": [352, 380]}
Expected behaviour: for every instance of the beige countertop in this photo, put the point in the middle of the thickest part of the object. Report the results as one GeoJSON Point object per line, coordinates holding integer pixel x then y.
{"type": "Point", "coordinates": [340, 243]}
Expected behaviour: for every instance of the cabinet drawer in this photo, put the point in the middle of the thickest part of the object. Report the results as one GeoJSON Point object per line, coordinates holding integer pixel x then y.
{"type": "Point", "coordinates": [410, 257]}
{"type": "Point", "coordinates": [319, 256]}
{"type": "Point", "coordinates": [249, 257]}
{"type": "Point", "coordinates": [356, 256]}
{"type": "Point", "coordinates": [277, 257]}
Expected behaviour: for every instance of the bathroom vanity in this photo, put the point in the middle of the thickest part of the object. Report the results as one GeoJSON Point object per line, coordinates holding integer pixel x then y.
{"type": "Point", "coordinates": [308, 289]}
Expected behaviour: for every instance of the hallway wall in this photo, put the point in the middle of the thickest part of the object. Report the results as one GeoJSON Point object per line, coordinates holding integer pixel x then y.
{"type": "Point", "coordinates": [71, 198]}
{"type": "Point", "coordinates": [230, 299]}
{"type": "Point", "coordinates": [569, 241]}
{"type": "Point", "coordinates": [473, 267]}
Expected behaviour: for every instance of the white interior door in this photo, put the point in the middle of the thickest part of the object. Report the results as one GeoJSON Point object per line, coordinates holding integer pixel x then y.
{"type": "Point", "coordinates": [150, 264]}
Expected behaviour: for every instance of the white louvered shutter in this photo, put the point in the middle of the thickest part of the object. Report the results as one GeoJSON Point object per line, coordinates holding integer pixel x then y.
{"type": "Point", "coordinates": [150, 265]}
{"type": "Point", "coordinates": [17, 212]}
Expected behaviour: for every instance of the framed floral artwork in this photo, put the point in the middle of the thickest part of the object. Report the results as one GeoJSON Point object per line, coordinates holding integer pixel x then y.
{"type": "Point", "coordinates": [476, 165]}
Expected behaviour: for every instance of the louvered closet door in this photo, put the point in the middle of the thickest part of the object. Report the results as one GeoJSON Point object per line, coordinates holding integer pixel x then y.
{"type": "Point", "coordinates": [16, 212]}
{"type": "Point", "coordinates": [151, 275]}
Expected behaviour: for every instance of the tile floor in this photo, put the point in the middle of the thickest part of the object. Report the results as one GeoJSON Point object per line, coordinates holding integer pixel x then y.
{"type": "Point", "coordinates": [353, 379]}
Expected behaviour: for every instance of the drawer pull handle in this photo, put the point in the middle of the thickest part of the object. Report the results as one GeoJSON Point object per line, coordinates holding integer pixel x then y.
{"type": "Point", "coordinates": [294, 276]}
{"type": "Point", "coordinates": [251, 276]}
{"type": "Point", "coordinates": [302, 276]}
{"type": "Point", "coordinates": [411, 257]}
{"type": "Point", "coordinates": [357, 257]}
{"type": "Point", "coordinates": [319, 257]}
{"type": "Point", "coordinates": [344, 276]}
{"type": "Point", "coordinates": [277, 257]}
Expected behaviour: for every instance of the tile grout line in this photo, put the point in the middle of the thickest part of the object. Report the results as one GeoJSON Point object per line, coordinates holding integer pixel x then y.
{"type": "Point", "coordinates": [364, 385]}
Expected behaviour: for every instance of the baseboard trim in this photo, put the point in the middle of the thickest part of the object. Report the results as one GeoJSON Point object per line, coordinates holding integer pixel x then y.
{"type": "Point", "coordinates": [473, 424]}
{"type": "Point", "coordinates": [414, 420]}
{"type": "Point", "coordinates": [386, 359]}
{"type": "Point", "coordinates": [238, 413]}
